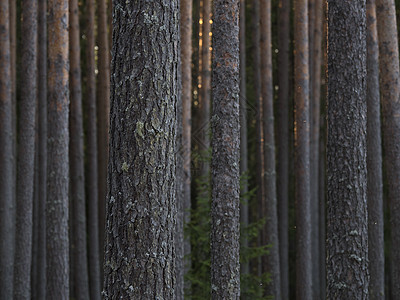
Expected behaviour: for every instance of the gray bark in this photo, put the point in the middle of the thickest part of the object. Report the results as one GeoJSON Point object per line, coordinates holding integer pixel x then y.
{"type": "Point", "coordinates": [141, 201]}
{"type": "Point", "coordinates": [225, 279]}
{"type": "Point", "coordinates": [347, 232]}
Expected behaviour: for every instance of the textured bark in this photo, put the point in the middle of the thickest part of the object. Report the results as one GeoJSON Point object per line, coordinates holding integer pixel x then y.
{"type": "Point", "coordinates": [225, 271]}
{"type": "Point", "coordinates": [6, 159]}
{"type": "Point", "coordinates": [270, 262]}
{"type": "Point", "coordinates": [374, 162]}
{"type": "Point", "coordinates": [244, 207]}
{"type": "Point", "coordinates": [390, 90]}
{"type": "Point", "coordinates": [185, 151]}
{"type": "Point", "coordinates": [322, 218]}
{"type": "Point", "coordinates": [26, 151]}
{"type": "Point", "coordinates": [347, 232]}
{"type": "Point", "coordinates": [141, 206]}
{"type": "Point", "coordinates": [40, 281]}
{"type": "Point", "coordinates": [76, 157]}
{"type": "Point", "coordinates": [302, 153]}
{"type": "Point", "coordinates": [283, 143]}
{"type": "Point", "coordinates": [92, 158]}
{"type": "Point", "coordinates": [103, 119]}
{"type": "Point", "coordinates": [57, 155]}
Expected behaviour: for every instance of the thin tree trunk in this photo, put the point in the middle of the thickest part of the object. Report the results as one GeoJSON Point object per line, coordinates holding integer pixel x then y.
{"type": "Point", "coordinates": [270, 262]}
{"type": "Point", "coordinates": [390, 89]}
{"type": "Point", "coordinates": [6, 159]}
{"type": "Point", "coordinates": [225, 270]}
{"type": "Point", "coordinates": [283, 142]}
{"type": "Point", "coordinates": [347, 232]}
{"type": "Point", "coordinates": [57, 160]}
{"type": "Point", "coordinates": [26, 151]}
{"type": "Point", "coordinates": [92, 158]}
{"type": "Point", "coordinates": [141, 206]}
{"type": "Point", "coordinates": [322, 218]}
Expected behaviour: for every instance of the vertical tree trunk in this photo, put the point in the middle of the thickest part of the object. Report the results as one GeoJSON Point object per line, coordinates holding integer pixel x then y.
{"type": "Point", "coordinates": [57, 159]}
{"type": "Point", "coordinates": [141, 206]}
{"type": "Point", "coordinates": [347, 232]}
{"type": "Point", "coordinates": [225, 279]}
{"type": "Point", "coordinates": [270, 262]}
{"type": "Point", "coordinates": [6, 159]}
{"type": "Point", "coordinates": [302, 153]}
{"type": "Point", "coordinates": [26, 151]}
{"type": "Point", "coordinates": [92, 158]}
{"type": "Point", "coordinates": [283, 143]}
{"type": "Point", "coordinates": [186, 62]}
{"type": "Point", "coordinates": [374, 162]}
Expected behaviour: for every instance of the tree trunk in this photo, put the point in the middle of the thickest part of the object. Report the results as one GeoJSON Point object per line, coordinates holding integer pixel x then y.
{"type": "Point", "coordinates": [225, 279]}
{"type": "Point", "coordinates": [141, 206]}
{"type": "Point", "coordinates": [347, 232]}
{"type": "Point", "coordinates": [270, 262]}
{"type": "Point", "coordinates": [57, 159]}
{"type": "Point", "coordinates": [6, 159]}
{"type": "Point", "coordinates": [283, 142]}
{"type": "Point", "coordinates": [26, 151]}
{"type": "Point", "coordinates": [92, 158]}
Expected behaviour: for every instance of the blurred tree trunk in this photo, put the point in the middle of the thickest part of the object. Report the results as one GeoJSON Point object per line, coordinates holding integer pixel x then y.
{"type": "Point", "coordinates": [347, 232]}
{"type": "Point", "coordinates": [225, 269]}
{"type": "Point", "coordinates": [26, 151]}
{"type": "Point", "coordinates": [141, 206]}
{"type": "Point", "coordinates": [270, 262]}
{"type": "Point", "coordinates": [6, 158]}
{"type": "Point", "coordinates": [390, 90]}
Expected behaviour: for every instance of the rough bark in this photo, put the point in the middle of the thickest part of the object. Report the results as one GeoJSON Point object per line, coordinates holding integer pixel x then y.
{"type": "Point", "coordinates": [283, 143]}
{"type": "Point", "coordinates": [26, 151]}
{"type": "Point", "coordinates": [141, 206]}
{"type": "Point", "coordinates": [57, 153]}
{"type": "Point", "coordinates": [374, 162]}
{"type": "Point", "coordinates": [347, 232]}
{"type": "Point", "coordinates": [185, 151]}
{"type": "Point", "coordinates": [304, 263]}
{"type": "Point", "coordinates": [322, 218]}
{"type": "Point", "coordinates": [270, 262]}
{"type": "Point", "coordinates": [390, 90]}
{"type": "Point", "coordinates": [225, 271]}
{"type": "Point", "coordinates": [6, 159]}
{"type": "Point", "coordinates": [92, 158]}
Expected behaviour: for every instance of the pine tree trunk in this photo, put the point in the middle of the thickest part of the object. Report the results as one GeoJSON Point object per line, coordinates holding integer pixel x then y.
{"type": "Point", "coordinates": [141, 206]}
{"type": "Point", "coordinates": [6, 159]}
{"type": "Point", "coordinates": [225, 279]}
{"type": "Point", "coordinates": [92, 158]}
{"type": "Point", "coordinates": [26, 151]}
{"type": "Point", "coordinates": [283, 143]}
{"type": "Point", "coordinates": [347, 232]}
{"type": "Point", "coordinates": [270, 262]}
{"type": "Point", "coordinates": [57, 155]}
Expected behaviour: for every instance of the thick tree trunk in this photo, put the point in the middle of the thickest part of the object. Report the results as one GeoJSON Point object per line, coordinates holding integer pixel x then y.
{"type": "Point", "coordinates": [141, 206]}
{"type": "Point", "coordinates": [26, 151]}
{"type": "Point", "coordinates": [270, 262]}
{"type": "Point", "coordinates": [6, 159]}
{"type": "Point", "coordinates": [390, 89]}
{"type": "Point", "coordinates": [374, 162]}
{"type": "Point", "coordinates": [283, 143]}
{"type": "Point", "coordinates": [225, 271]}
{"type": "Point", "coordinates": [57, 159]}
{"type": "Point", "coordinates": [92, 158]}
{"type": "Point", "coordinates": [347, 232]}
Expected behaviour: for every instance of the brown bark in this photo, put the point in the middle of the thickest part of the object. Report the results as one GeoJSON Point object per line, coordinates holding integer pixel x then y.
{"type": "Point", "coordinates": [347, 232]}
{"type": "Point", "coordinates": [283, 143]}
{"type": "Point", "coordinates": [6, 159]}
{"type": "Point", "coordinates": [57, 145]}
{"type": "Point", "coordinates": [270, 262]}
{"type": "Point", "coordinates": [225, 279]}
{"type": "Point", "coordinates": [141, 206]}
{"type": "Point", "coordinates": [26, 151]}
{"type": "Point", "coordinates": [390, 90]}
